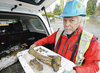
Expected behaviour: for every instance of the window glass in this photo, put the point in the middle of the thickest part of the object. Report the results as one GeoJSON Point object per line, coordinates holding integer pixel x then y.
{"type": "Point", "coordinates": [36, 22]}
{"type": "Point", "coordinates": [4, 25]}
{"type": "Point", "coordinates": [24, 25]}
{"type": "Point", "coordinates": [34, 2]}
{"type": "Point", "coordinates": [5, 22]}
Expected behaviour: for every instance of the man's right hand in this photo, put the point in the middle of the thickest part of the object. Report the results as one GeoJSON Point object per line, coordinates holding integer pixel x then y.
{"type": "Point", "coordinates": [33, 46]}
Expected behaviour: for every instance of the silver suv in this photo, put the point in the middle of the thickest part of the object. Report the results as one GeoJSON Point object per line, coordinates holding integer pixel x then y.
{"type": "Point", "coordinates": [21, 24]}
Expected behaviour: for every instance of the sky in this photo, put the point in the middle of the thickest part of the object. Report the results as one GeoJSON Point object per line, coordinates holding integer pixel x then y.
{"type": "Point", "coordinates": [52, 6]}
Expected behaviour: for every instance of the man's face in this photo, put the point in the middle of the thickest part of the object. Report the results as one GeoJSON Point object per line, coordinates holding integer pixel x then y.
{"type": "Point", "coordinates": [70, 24]}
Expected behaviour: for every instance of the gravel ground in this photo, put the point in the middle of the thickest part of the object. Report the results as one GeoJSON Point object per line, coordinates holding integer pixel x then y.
{"type": "Point", "coordinates": [95, 29]}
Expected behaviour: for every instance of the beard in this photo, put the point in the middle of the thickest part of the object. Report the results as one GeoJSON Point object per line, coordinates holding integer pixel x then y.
{"type": "Point", "coordinates": [68, 28]}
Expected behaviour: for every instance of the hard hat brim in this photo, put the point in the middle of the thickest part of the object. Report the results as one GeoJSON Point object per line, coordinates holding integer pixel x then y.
{"type": "Point", "coordinates": [63, 15]}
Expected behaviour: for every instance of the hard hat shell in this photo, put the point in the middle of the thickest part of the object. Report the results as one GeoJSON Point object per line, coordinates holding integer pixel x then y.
{"type": "Point", "coordinates": [73, 8]}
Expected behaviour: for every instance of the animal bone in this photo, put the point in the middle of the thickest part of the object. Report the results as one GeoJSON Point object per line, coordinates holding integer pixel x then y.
{"type": "Point", "coordinates": [36, 64]}
{"type": "Point", "coordinates": [53, 61]}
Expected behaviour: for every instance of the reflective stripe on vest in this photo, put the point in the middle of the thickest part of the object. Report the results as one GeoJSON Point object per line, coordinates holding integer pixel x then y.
{"type": "Point", "coordinates": [83, 46]}
{"type": "Point", "coordinates": [58, 35]}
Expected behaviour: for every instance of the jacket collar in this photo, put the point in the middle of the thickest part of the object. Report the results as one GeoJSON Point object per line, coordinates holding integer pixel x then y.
{"type": "Point", "coordinates": [77, 31]}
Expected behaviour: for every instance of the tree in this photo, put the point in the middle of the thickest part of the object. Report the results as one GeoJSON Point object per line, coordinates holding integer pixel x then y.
{"type": "Point", "coordinates": [70, 0]}
{"type": "Point", "coordinates": [49, 14]}
{"type": "Point", "coordinates": [59, 8]}
{"type": "Point", "coordinates": [81, 0]}
{"type": "Point", "coordinates": [61, 5]}
{"type": "Point", "coordinates": [91, 7]}
{"type": "Point", "coordinates": [98, 9]}
{"type": "Point", "coordinates": [56, 11]}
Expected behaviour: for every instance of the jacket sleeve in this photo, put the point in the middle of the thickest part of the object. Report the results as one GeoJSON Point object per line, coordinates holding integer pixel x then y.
{"type": "Point", "coordinates": [92, 58]}
{"type": "Point", "coordinates": [47, 40]}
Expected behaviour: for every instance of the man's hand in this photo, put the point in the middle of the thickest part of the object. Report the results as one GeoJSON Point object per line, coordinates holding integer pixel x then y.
{"type": "Point", "coordinates": [33, 45]}
{"type": "Point", "coordinates": [72, 71]}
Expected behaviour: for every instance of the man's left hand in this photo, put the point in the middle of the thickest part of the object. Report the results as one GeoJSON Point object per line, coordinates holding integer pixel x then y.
{"type": "Point", "coordinates": [72, 71]}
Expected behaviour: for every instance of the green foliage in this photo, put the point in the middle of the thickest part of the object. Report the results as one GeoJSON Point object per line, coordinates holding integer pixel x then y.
{"type": "Point", "coordinates": [91, 7]}
{"type": "Point", "coordinates": [57, 11]}
{"type": "Point", "coordinates": [59, 8]}
{"type": "Point", "coordinates": [68, 1]}
{"type": "Point", "coordinates": [98, 9]}
{"type": "Point", "coordinates": [61, 5]}
{"type": "Point", "coordinates": [81, 0]}
{"type": "Point", "coordinates": [48, 14]}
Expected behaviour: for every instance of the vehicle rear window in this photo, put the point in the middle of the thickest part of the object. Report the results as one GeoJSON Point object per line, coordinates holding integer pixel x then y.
{"type": "Point", "coordinates": [34, 2]}
{"type": "Point", "coordinates": [37, 23]}
{"type": "Point", "coordinates": [5, 22]}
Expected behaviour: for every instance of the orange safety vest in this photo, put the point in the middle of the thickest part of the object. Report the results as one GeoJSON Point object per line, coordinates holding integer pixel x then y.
{"type": "Point", "coordinates": [83, 45]}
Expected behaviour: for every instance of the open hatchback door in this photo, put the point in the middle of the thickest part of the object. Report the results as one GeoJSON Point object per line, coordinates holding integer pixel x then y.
{"type": "Point", "coordinates": [21, 24]}
{"type": "Point", "coordinates": [24, 5]}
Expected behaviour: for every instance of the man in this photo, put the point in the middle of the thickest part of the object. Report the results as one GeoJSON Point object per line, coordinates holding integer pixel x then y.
{"type": "Point", "coordinates": [73, 42]}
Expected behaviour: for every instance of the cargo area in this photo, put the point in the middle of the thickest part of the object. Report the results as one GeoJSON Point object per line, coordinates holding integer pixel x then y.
{"type": "Point", "coordinates": [18, 31]}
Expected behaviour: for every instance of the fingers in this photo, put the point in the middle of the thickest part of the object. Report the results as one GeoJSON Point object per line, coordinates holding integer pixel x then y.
{"type": "Point", "coordinates": [72, 71]}
{"type": "Point", "coordinates": [33, 45]}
